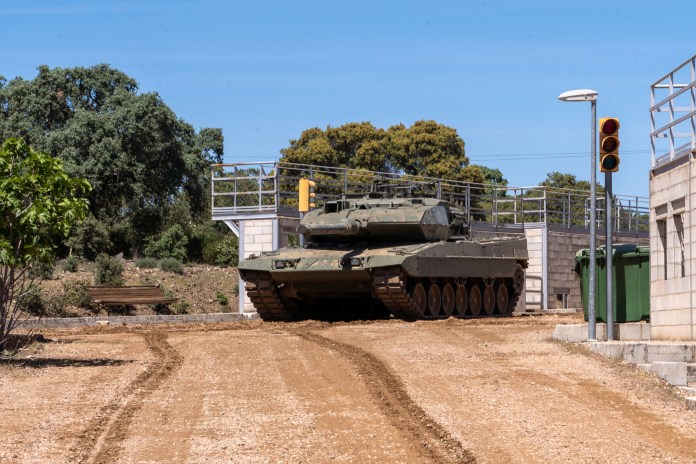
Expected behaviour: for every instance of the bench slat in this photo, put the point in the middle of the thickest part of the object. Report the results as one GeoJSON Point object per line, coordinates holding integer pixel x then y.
{"type": "Point", "coordinates": [129, 295]}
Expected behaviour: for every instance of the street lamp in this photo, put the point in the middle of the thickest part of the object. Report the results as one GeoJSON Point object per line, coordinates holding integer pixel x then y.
{"type": "Point", "coordinates": [584, 95]}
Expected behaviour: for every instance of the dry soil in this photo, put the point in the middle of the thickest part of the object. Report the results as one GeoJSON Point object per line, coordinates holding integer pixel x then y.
{"type": "Point", "coordinates": [486, 391]}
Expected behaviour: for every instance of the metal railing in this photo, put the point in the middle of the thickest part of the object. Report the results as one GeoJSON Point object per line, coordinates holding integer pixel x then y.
{"type": "Point", "coordinates": [673, 111]}
{"type": "Point", "coordinates": [244, 189]}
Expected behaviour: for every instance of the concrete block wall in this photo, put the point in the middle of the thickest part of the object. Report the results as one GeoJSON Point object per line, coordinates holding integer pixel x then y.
{"type": "Point", "coordinates": [562, 280]}
{"type": "Point", "coordinates": [534, 274]}
{"type": "Point", "coordinates": [672, 261]}
{"type": "Point", "coordinates": [256, 237]}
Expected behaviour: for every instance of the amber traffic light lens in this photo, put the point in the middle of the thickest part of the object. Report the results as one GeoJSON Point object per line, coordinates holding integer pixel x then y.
{"type": "Point", "coordinates": [610, 144]}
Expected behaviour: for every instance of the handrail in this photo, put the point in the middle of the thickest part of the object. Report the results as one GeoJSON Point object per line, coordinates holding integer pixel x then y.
{"type": "Point", "coordinates": [245, 188]}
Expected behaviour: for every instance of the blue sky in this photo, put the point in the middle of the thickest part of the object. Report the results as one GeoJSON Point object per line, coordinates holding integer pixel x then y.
{"type": "Point", "coordinates": [264, 71]}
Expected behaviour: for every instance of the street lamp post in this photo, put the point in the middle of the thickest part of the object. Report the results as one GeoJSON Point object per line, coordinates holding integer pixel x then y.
{"type": "Point", "coordinates": [588, 95]}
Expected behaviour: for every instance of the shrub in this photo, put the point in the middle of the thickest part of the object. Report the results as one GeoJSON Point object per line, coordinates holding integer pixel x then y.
{"type": "Point", "coordinates": [171, 265]}
{"type": "Point", "coordinates": [221, 298]}
{"type": "Point", "coordinates": [109, 271]}
{"type": "Point", "coordinates": [75, 293]}
{"type": "Point", "coordinates": [42, 269]}
{"type": "Point", "coordinates": [90, 238]}
{"type": "Point", "coordinates": [55, 305]}
{"type": "Point", "coordinates": [227, 252]}
{"type": "Point", "coordinates": [170, 244]}
{"type": "Point", "coordinates": [203, 241]}
{"type": "Point", "coordinates": [181, 307]}
{"type": "Point", "coordinates": [70, 264]}
{"type": "Point", "coordinates": [33, 301]}
{"type": "Point", "coordinates": [147, 263]}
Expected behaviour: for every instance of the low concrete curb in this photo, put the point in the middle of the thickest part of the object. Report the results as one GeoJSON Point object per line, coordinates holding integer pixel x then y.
{"type": "Point", "coordinates": [54, 322]}
{"type": "Point", "coordinates": [576, 333]}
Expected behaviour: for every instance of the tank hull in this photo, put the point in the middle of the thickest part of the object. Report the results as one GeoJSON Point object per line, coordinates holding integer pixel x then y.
{"type": "Point", "coordinates": [409, 281]}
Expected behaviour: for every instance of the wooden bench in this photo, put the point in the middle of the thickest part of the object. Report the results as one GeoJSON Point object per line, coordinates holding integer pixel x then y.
{"type": "Point", "coordinates": [129, 295]}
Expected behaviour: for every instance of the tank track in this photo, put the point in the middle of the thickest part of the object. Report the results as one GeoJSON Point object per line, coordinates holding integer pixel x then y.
{"type": "Point", "coordinates": [390, 287]}
{"type": "Point", "coordinates": [263, 292]}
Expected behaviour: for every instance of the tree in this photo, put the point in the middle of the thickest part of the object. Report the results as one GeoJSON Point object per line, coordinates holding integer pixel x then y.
{"type": "Point", "coordinates": [39, 203]}
{"type": "Point", "coordinates": [427, 149]}
{"type": "Point", "coordinates": [138, 156]}
{"type": "Point", "coordinates": [566, 198]}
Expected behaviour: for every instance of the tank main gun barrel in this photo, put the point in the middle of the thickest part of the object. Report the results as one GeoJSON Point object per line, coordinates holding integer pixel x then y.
{"type": "Point", "coordinates": [344, 227]}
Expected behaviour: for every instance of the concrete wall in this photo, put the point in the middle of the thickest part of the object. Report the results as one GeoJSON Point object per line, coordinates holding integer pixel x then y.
{"type": "Point", "coordinates": [562, 288]}
{"type": "Point", "coordinates": [672, 266]}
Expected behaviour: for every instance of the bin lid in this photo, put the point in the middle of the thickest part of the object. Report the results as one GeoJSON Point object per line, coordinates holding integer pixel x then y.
{"type": "Point", "coordinates": [624, 250]}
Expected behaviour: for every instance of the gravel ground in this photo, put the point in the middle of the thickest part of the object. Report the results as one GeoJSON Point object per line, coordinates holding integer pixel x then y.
{"type": "Point", "coordinates": [487, 391]}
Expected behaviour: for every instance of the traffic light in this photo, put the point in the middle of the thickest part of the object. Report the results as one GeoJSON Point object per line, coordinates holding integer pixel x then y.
{"type": "Point", "coordinates": [609, 144]}
{"type": "Point", "coordinates": [306, 195]}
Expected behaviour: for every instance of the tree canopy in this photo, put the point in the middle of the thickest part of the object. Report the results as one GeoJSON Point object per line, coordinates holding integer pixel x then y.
{"type": "Point", "coordinates": [137, 154]}
{"type": "Point", "coordinates": [426, 148]}
{"type": "Point", "coordinates": [39, 203]}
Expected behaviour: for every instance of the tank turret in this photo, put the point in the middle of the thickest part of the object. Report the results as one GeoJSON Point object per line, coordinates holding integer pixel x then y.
{"type": "Point", "coordinates": [393, 219]}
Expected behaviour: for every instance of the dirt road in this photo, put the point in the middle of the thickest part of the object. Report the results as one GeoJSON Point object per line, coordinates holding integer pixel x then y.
{"type": "Point", "coordinates": [486, 391]}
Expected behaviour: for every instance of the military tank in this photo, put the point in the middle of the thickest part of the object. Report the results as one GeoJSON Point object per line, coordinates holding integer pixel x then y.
{"type": "Point", "coordinates": [377, 256]}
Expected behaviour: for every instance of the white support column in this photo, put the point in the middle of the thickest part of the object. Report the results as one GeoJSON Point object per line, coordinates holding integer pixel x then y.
{"type": "Point", "coordinates": [545, 267]}
{"type": "Point", "coordinates": [242, 294]}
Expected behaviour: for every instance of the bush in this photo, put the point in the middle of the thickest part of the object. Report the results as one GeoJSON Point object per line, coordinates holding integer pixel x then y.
{"type": "Point", "coordinates": [171, 244]}
{"type": "Point", "coordinates": [181, 307]}
{"type": "Point", "coordinates": [70, 264]}
{"type": "Point", "coordinates": [55, 306]}
{"type": "Point", "coordinates": [147, 263]}
{"type": "Point", "coordinates": [171, 265]}
{"type": "Point", "coordinates": [90, 238]}
{"type": "Point", "coordinates": [36, 303]}
{"type": "Point", "coordinates": [227, 252]}
{"type": "Point", "coordinates": [75, 293]}
{"type": "Point", "coordinates": [42, 269]}
{"type": "Point", "coordinates": [109, 271]}
{"type": "Point", "coordinates": [221, 298]}
{"type": "Point", "coordinates": [33, 301]}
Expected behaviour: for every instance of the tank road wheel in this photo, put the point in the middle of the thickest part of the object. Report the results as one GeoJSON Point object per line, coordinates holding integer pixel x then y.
{"type": "Point", "coordinates": [461, 300]}
{"type": "Point", "coordinates": [475, 300]}
{"type": "Point", "coordinates": [501, 298]}
{"type": "Point", "coordinates": [419, 298]}
{"type": "Point", "coordinates": [434, 299]}
{"type": "Point", "coordinates": [448, 299]}
{"type": "Point", "coordinates": [488, 300]}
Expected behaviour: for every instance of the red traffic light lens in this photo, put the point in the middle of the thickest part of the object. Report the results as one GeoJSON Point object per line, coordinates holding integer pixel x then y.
{"type": "Point", "coordinates": [610, 126]}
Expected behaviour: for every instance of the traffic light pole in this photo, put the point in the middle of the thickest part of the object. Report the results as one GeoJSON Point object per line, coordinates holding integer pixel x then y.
{"type": "Point", "coordinates": [609, 256]}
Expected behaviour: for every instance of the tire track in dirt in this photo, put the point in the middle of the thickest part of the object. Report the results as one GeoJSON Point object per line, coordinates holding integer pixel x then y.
{"type": "Point", "coordinates": [101, 440]}
{"type": "Point", "coordinates": [434, 443]}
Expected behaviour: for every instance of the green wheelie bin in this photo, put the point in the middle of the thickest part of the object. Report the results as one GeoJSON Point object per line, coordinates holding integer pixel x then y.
{"type": "Point", "coordinates": [630, 277]}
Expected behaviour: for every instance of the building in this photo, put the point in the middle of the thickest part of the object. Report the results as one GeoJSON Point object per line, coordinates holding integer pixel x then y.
{"type": "Point", "coordinates": [672, 202]}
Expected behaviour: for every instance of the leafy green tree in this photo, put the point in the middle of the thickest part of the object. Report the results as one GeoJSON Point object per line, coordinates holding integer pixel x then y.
{"type": "Point", "coordinates": [39, 203]}
{"type": "Point", "coordinates": [566, 197]}
{"type": "Point", "coordinates": [137, 154]}
{"type": "Point", "coordinates": [427, 148]}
